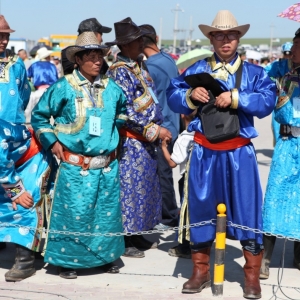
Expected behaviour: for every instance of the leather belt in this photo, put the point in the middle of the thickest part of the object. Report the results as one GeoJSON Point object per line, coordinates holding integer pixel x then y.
{"type": "Point", "coordinates": [288, 130]}
{"type": "Point", "coordinates": [89, 162]}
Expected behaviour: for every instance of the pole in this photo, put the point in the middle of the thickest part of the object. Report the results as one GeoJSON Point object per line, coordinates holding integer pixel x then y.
{"type": "Point", "coordinates": [160, 34]}
{"type": "Point", "coordinates": [219, 268]}
{"type": "Point", "coordinates": [189, 44]}
{"type": "Point", "coordinates": [177, 9]}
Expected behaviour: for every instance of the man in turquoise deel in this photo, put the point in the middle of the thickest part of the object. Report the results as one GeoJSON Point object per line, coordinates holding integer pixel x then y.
{"type": "Point", "coordinates": [88, 109]}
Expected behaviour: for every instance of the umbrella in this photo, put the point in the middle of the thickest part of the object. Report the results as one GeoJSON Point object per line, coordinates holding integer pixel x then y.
{"type": "Point", "coordinates": [32, 52]}
{"type": "Point", "coordinates": [291, 13]}
{"type": "Point", "coordinates": [189, 58]}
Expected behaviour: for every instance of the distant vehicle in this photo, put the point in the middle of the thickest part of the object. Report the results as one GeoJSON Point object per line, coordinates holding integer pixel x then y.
{"type": "Point", "coordinates": [263, 47]}
{"type": "Point", "coordinates": [58, 42]}
{"type": "Point", "coordinates": [207, 47]}
{"type": "Point", "coordinates": [246, 46]}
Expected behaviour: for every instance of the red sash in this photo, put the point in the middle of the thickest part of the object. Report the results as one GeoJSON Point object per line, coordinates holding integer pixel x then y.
{"type": "Point", "coordinates": [131, 134]}
{"type": "Point", "coordinates": [34, 148]}
{"type": "Point", "coordinates": [231, 144]}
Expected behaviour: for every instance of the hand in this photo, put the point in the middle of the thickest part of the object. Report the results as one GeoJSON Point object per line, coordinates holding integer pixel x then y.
{"type": "Point", "coordinates": [24, 200]}
{"type": "Point", "coordinates": [164, 133]}
{"type": "Point", "coordinates": [165, 142]}
{"type": "Point", "coordinates": [223, 100]}
{"type": "Point", "coordinates": [57, 150]}
{"type": "Point", "coordinates": [200, 94]}
{"type": "Point", "coordinates": [108, 53]}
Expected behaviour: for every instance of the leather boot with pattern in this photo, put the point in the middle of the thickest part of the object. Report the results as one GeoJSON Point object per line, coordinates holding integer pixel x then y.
{"type": "Point", "coordinates": [252, 288]}
{"type": "Point", "coordinates": [297, 255]}
{"type": "Point", "coordinates": [24, 265]}
{"type": "Point", "coordinates": [201, 276]}
{"type": "Point", "coordinates": [269, 242]}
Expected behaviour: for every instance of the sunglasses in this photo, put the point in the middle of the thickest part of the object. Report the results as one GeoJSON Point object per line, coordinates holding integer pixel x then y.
{"type": "Point", "coordinates": [4, 36]}
{"type": "Point", "coordinates": [231, 36]}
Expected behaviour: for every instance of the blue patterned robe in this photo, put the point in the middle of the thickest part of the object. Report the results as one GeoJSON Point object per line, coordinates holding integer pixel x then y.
{"type": "Point", "coordinates": [85, 202]}
{"type": "Point", "coordinates": [140, 189]}
{"type": "Point", "coordinates": [14, 89]}
{"type": "Point", "coordinates": [35, 174]}
{"type": "Point", "coordinates": [230, 177]}
{"type": "Point", "coordinates": [281, 210]}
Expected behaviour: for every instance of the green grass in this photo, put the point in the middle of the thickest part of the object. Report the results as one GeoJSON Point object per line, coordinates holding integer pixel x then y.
{"type": "Point", "coordinates": [253, 42]}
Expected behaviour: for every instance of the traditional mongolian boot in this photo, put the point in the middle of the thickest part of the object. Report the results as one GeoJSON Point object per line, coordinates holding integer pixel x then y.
{"type": "Point", "coordinates": [131, 250]}
{"type": "Point", "coordinates": [269, 242]}
{"type": "Point", "coordinates": [67, 273]}
{"type": "Point", "coordinates": [252, 288]}
{"type": "Point", "coordinates": [201, 276]}
{"type": "Point", "coordinates": [297, 255]}
{"type": "Point", "coordinates": [24, 265]}
{"type": "Point", "coordinates": [140, 242]}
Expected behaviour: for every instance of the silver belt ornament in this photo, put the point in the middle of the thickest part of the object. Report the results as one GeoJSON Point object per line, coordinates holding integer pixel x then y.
{"type": "Point", "coordinates": [96, 162]}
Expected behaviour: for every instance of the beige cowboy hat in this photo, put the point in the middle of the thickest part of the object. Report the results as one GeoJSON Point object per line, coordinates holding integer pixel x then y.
{"type": "Point", "coordinates": [85, 41]}
{"type": "Point", "coordinates": [224, 20]}
{"type": "Point", "coordinates": [42, 53]}
{"type": "Point", "coordinates": [4, 27]}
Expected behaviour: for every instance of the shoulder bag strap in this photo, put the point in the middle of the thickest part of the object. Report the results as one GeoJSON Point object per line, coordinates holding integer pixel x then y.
{"type": "Point", "coordinates": [239, 74]}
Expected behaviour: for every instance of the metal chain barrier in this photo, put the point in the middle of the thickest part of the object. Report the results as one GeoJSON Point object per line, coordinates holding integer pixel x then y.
{"type": "Point", "coordinates": [76, 240]}
{"type": "Point", "coordinates": [280, 236]}
{"type": "Point", "coordinates": [109, 234]}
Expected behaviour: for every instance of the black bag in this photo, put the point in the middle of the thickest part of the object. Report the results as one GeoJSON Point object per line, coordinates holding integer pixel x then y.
{"type": "Point", "coordinates": [218, 124]}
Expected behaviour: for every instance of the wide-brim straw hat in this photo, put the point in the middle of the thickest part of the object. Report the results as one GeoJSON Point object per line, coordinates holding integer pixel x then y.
{"type": "Point", "coordinates": [127, 31]}
{"type": "Point", "coordinates": [85, 41]}
{"type": "Point", "coordinates": [42, 53]}
{"type": "Point", "coordinates": [224, 20]}
{"type": "Point", "coordinates": [4, 27]}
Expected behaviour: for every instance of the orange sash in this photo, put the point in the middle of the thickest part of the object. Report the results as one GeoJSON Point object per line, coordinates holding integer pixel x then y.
{"type": "Point", "coordinates": [34, 148]}
{"type": "Point", "coordinates": [231, 144]}
{"type": "Point", "coordinates": [131, 134]}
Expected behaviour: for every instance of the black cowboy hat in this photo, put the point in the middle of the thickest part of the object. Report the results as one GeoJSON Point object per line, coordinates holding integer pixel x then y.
{"type": "Point", "coordinates": [92, 24]}
{"type": "Point", "coordinates": [204, 80]}
{"type": "Point", "coordinates": [126, 32]}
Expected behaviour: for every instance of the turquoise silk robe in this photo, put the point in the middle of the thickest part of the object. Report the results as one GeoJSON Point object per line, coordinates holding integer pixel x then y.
{"type": "Point", "coordinates": [84, 202]}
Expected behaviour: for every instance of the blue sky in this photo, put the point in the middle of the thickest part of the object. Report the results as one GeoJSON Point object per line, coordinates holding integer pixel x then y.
{"type": "Point", "coordinates": [33, 19]}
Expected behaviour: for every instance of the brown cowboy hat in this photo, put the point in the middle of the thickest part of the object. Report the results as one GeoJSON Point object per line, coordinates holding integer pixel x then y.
{"type": "Point", "coordinates": [126, 32]}
{"type": "Point", "coordinates": [85, 41]}
{"type": "Point", "coordinates": [224, 20]}
{"type": "Point", "coordinates": [4, 27]}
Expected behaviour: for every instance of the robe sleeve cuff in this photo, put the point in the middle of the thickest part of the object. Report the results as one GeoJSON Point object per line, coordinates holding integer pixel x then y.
{"type": "Point", "coordinates": [189, 102]}
{"type": "Point", "coordinates": [13, 191]}
{"type": "Point", "coordinates": [151, 132]}
{"type": "Point", "coordinates": [234, 98]}
{"type": "Point", "coordinates": [46, 137]}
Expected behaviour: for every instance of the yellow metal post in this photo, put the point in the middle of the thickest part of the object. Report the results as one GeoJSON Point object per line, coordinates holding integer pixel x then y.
{"type": "Point", "coordinates": [219, 268]}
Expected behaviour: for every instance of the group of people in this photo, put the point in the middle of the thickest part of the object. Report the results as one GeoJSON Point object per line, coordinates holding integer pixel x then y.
{"type": "Point", "coordinates": [113, 131]}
